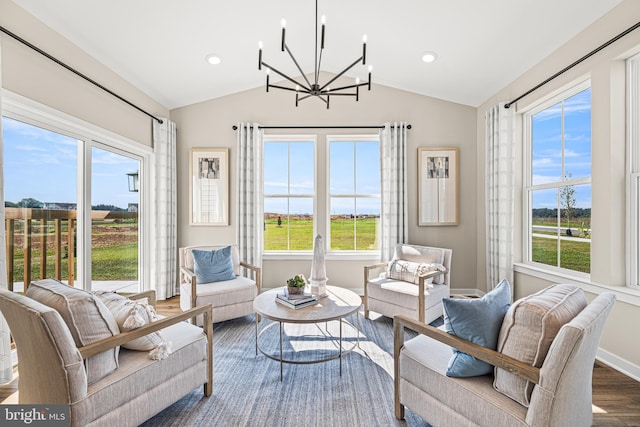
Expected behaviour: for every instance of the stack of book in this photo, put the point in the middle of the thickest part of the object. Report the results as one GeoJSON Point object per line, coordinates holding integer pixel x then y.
{"type": "Point", "coordinates": [296, 301]}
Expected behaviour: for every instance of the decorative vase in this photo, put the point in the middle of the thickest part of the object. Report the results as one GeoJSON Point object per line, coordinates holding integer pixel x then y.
{"type": "Point", "coordinates": [295, 290]}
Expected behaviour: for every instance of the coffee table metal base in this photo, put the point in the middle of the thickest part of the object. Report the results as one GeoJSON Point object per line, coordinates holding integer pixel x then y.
{"type": "Point", "coordinates": [279, 358]}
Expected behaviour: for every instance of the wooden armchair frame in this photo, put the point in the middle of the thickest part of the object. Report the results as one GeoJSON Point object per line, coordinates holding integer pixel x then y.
{"type": "Point", "coordinates": [125, 337]}
{"type": "Point", "coordinates": [192, 277]}
{"type": "Point", "coordinates": [400, 322]}
{"type": "Point", "coordinates": [421, 280]}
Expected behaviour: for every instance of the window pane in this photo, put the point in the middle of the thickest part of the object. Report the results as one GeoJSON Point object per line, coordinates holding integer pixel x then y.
{"type": "Point", "coordinates": [276, 224]}
{"type": "Point", "coordinates": [302, 167]}
{"type": "Point", "coordinates": [367, 224]}
{"type": "Point", "coordinates": [341, 158]}
{"type": "Point", "coordinates": [301, 224]}
{"type": "Point", "coordinates": [40, 170]}
{"type": "Point", "coordinates": [342, 224]}
{"type": "Point", "coordinates": [367, 167]}
{"type": "Point", "coordinates": [544, 226]}
{"type": "Point", "coordinates": [114, 221]}
{"type": "Point", "coordinates": [546, 145]}
{"type": "Point", "coordinates": [276, 168]}
{"type": "Point", "coordinates": [577, 135]}
{"type": "Point", "coordinates": [575, 231]}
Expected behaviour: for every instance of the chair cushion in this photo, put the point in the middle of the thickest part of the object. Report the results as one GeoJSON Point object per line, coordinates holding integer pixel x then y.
{"type": "Point", "coordinates": [529, 327]}
{"type": "Point", "coordinates": [138, 375]}
{"type": "Point", "coordinates": [87, 318]}
{"type": "Point", "coordinates": [408, 271]}
{"type": "Point", "coordinates": [131, 315]}
{"type": "Point", "coordinates": [404, 294]}
{"type": "Point", "coordinates": [423, 364]}
{"type": "Point", "coordinates": [477, 320]}
{"type": "Point", "coordinates": [213, 265]}
{"type": "Point", "coordinates": [219, 294]}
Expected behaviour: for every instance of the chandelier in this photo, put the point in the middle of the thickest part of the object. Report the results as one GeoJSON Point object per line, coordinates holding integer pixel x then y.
{"type": "Point", "coordinates": [308, 89]}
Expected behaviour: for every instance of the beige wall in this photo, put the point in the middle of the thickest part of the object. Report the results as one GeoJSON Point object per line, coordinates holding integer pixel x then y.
{"type": "Point", "coordinates": [607, 73]}
{"type": "Point", "coordinates": [434, 123]}
{"type": "Point", "coordinates": [30, 74]}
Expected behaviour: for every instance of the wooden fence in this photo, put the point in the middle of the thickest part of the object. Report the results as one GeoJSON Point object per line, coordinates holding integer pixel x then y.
{"type": "Point", "coordinates": [29, 224]}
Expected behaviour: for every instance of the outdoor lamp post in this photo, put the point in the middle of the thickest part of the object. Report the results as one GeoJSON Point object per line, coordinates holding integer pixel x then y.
{"type": "Point", "coordinates": [134, 182]}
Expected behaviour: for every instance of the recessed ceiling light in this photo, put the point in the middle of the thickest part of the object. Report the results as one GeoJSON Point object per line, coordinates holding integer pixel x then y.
{"type": "Point", "coordinates": [213, 59]}
{"type": "Point", "coordinates": [429, 57]}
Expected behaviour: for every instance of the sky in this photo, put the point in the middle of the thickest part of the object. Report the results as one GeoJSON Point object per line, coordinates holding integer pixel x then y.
{"type": "Point", "coordinates": [289, 169]}
{"type": "Point", "coordinates": [547, 160]}
{"type": "Point", "coordinates": [43, 165]}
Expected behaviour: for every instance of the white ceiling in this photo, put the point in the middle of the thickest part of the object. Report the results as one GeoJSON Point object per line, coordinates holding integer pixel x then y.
{"type": "Point", "coordinates": [160, 45]}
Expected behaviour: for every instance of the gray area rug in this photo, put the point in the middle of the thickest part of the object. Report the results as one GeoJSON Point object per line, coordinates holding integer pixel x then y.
{"type": "Point", "coordinates": [247, 390]}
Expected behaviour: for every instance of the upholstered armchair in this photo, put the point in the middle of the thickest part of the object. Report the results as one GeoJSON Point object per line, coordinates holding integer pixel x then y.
{"type": "Point", "coordinates": [413, 283]}
{"type": "Point", "coordinates": [542, 374]}
{"type": "Point", "coordinates": [62, 358]}
{"type": "Point", "coordinates": [231, 295]}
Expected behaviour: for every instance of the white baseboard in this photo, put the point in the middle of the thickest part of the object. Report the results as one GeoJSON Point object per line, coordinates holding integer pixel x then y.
{"type": "Point", "coordinates": [619, 364]}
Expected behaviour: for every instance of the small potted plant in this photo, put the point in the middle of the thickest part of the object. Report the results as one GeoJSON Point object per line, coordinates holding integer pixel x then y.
{"type": "Point", "coordinates": [296, 284]}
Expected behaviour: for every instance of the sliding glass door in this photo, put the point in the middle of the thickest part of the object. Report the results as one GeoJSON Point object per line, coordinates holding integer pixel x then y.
{"type": "Point", "coordinates": [71, 207]}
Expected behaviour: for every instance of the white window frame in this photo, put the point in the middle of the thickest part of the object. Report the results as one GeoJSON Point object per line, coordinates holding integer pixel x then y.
{"type": "Point", "coordinates": [288, 254]}
{"type": "Point", "coordinates": [529, 188]}
{"type": "Point", "coordinates": [633, 172]}
{"type": "Point", "coordinates": [347, 138]}
{"type": "Point", "coordinates": [31, 112]}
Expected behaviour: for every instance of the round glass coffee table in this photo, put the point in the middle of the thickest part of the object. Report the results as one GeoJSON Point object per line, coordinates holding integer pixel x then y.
{"type": "Point", "coordinates": [338, 305]}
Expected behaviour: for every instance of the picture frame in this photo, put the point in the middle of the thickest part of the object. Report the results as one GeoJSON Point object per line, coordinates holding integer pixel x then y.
{"type": "Point", "coordinates": [437, 186]}
{"type": "Point", "coordinates": [209, 186]}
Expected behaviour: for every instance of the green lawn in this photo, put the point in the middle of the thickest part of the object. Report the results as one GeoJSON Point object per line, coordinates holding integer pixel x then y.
{"type": "Point", "coordinates": [574, 255]}
{"type": "Point", "coordinates": [301, 234]}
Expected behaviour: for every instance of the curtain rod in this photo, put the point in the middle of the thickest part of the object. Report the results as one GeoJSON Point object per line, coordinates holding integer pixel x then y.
{"type": "Point", "coordinates": [567, 68]}
{"type": "Point", "coordinates": [76, 72]}
{"type": "Point", "coordinates": [235, 127]}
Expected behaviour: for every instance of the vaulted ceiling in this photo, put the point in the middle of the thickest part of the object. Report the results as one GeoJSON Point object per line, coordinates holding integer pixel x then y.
{"type": "Point", "coordinates": [160, 45]}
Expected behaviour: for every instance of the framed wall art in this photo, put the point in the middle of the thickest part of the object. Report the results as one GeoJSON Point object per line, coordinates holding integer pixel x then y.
{"type": "Point", "coordinates": [209, 186]}
{"type": "Point", "coordinates": [438, 186]}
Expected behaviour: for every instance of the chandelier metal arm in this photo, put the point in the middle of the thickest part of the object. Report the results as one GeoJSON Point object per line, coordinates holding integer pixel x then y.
{"type": "Point", "coordinates": [330, 91]}
{"type": "Point", "coordinates": [342, 73]}
{"type": "Point", "coordinates": [293, 58]}
{"type": "Point", "coordinates": [303, 90]}
{"type": "Point", "coordinates": [275, 70]}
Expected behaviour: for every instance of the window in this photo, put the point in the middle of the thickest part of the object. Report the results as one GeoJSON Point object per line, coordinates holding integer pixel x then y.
{"type": "Point", "coordinates": [289, 193]}
{"type": "Point", "coordinates": [633, 165]}
{"type": "Point", "coordinates": [70, 211]}
{"type": "Point", "coordinates": [354, 193]}
{"type": "Point", "coordinates": [558, 181]}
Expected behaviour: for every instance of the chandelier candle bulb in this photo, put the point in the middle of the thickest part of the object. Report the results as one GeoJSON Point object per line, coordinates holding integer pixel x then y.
{"type": "Point", "coordinates": [259, 55]}
{"type": "Point", "coordinates": [284, 26]}
{"type": "Point", "coordinates": [323, 20]}
{"type": "Point", "coordinates": [364, 49]}
{"type": "Point", "coordinates": [369, 83]}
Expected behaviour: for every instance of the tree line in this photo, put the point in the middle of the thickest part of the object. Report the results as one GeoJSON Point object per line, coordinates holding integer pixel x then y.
{"type": "Point", "coordinates": [553, 213]}
{"type": "Point", "coordinates": [30, 202]}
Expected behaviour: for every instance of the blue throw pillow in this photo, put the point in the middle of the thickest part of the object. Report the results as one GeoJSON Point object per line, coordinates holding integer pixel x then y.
{"type": "Point", "coordinates": [213, 266]}
{"type": "Point", "coordinates": [477, 320]}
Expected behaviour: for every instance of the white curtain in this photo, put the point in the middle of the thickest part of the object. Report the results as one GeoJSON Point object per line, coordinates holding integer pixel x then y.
{"type": "Point", "coordinates": [6, 368]}
{"type": "Point", "coordinates": [249, 208]}
{"type": "Point", "coordinates": [394, 218]}
{"type": "Point", "coordinates": [499, 181]}
{"type": "Point", "coordinates": [164, 214]}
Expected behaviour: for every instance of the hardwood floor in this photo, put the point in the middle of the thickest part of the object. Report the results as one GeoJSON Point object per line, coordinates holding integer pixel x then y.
{"type": "Point", "coordinates": [616, 397]}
